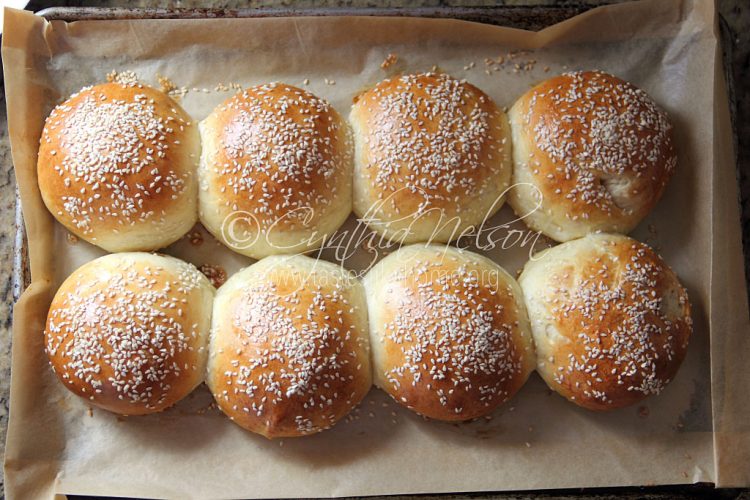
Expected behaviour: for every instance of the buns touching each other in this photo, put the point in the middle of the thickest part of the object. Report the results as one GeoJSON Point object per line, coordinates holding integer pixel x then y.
{"type": "Point", "coordinates": [289, 347]}
{"type": "Point", "coordinates": [432, 157]}
{"type": "Point", "coordinates": [591, 153]}
{"type": "Point", "coordinates": [117, 167]}
{"type": "Point", "coordinates": [276, 171]}
{"type": "Point", "coordinates": [611, 321]}
{"type": "Point", "coordinates": [129, 331]}
{"type": "Point", "coordinates": [449, 333]}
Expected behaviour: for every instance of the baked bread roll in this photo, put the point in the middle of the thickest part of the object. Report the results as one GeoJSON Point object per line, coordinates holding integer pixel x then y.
{"type": "Point", "coordinates": [449, 333]}
{"type": "Point", "coordinates": [611, 322]}
{"type": "Point", "coordinates": [129, 331]}
{"type": "Point", "coordinates": [432, 157]}
{"type": "Point", "coordinates": [276, 171]}
{"type": "Point", "coordinates": [289, 347]}
{"type": "Point", "coordinates": [591, 153]}
{"type": "Point", "coordinates": [117, 167]}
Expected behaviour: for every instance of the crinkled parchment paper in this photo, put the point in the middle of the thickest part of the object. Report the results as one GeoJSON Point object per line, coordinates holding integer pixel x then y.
{"type": "Point", "coordinates": [697, 430]}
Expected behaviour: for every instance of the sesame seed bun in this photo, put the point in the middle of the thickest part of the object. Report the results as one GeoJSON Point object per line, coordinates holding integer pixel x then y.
{"type": "Point", "coordinates": [276, 171]}
{"type": "Point", "coordinates": [591, 153]}
{"type": "Point", "coordinates": [611, 321]}
{"type": "Point", "coordinates": [129, 331]}
{"type": "Point", "coordinates": [117, 166]}
{"type": "Point", "coordinates": [449, 332]}
{"type": "Point", "coordinates": [432, 157]}
{"type": "Point", "coordinates": [289, 347]}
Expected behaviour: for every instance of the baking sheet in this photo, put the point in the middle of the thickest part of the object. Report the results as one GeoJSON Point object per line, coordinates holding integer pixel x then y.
{"type": "Point", "coordinates": [696, 430]}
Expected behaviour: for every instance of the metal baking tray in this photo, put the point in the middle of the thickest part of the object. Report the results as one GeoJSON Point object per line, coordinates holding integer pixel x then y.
{"type": "Point", "coordinates": [532, 18]}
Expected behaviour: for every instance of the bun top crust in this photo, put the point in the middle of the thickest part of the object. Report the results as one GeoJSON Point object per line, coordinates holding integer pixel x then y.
{"type": "Point", "coordinates": [289, 348]}
{"type": "Point", "coordinates": [451, 338]}
{"type": "Point", "coordinates": [278, 152]}
{"type": "Point", "coordinates": [599, 150]}
{"type": "Point", "coordinates": [116, 156]}
{"type": "Point", "coordinates": [429, 143]}
{"type": "Point", "coordinates": [129, 331]}
{"type": "Point", "coordinates": [611, 321]}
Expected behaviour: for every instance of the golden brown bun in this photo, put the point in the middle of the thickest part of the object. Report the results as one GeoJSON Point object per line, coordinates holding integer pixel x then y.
{"type": "Point", "coordinates": [276, 171]}
{"type": "Point", "coordinates": [117, 167]}
{"type": "Point", "coordinates": [129, 331]}
{"type": "Point", "coordinates": [289, 347]}
{"type": "Point", "coordinates": [597, 150]}
{"type": "Point", "coordinates": [432, 157]}
{"type": "Point", "coordinates": [611, 322]}
{"type": "Point", "coordinates": [449, 332]}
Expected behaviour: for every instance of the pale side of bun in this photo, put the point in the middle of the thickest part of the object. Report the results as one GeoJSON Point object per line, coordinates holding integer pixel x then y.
{"type": "Point", "coordinates": [129, 331]}
{"type": "Point", "coordinates": [432, 157]}
{"type": "Point", "coordinates": [611, 321]}
{"type": "Point", "coordinates": [449, 332]}
{"type": "Point", "coordinates": [117, 167]}
{"type": "Point", "coordinates": [591, 153]}
{"type": "Point", "coordinates": [289, 346]}
{"type": "Point", "coordinates": [276, 171]}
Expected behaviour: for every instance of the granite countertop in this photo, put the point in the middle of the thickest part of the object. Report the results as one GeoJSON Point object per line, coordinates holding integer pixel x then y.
{"type": "Point", "coordinates": [735, 12]}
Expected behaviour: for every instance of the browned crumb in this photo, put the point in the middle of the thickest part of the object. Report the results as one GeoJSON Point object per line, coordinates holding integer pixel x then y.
{"type": "Point", "coordinates": [368, 246]}
{"type": "Point", "coordinates": [72, 238]}
{"type": "Point", "coordinates": [195, 238]}
{"type": "Point", "coordinates": [205, 409]}
{"type": "Point", "coordinates": [389, 61]}
{"type": "Point", "coordinates": [643, 411]}
{"type": "Point", "coordinates": [91, 412]}
{"type": "Point", "coordinates": [516, 57]}
{"type": "Point", "coordinates": [215, 274]}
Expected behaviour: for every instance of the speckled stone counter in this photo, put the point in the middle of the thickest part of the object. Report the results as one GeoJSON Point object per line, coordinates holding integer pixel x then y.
{"type": "Point", "coordinates": [735, 12]}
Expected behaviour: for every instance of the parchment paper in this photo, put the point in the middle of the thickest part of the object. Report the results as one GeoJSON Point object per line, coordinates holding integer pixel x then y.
{"type": "Point", "coordinates": [697, 430]}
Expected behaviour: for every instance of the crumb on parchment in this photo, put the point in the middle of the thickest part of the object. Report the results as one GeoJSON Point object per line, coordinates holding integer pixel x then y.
{"type": "Point", "coordinates": [215, 274]}
{"type": "Point", "coordinates": [389, 61]}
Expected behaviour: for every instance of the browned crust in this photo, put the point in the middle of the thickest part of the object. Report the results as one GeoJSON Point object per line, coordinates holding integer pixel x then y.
{"type": "Point", "coordinates": [329, 365]}
{"type": "Point", "coordinates": [570, 155]}
{"type": "Point", "coordinates": [128, 334]}
{"type": "Point", "coordinates": [615, 343]}
{"type": "Point", "coordinates": [481, 367]}
{"type": "Point", "coordinates": [403, 156]}
{"type": "Point", "coordinates": [280, 120]}
{"type": "Point", "coordinates": [116, 197]}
